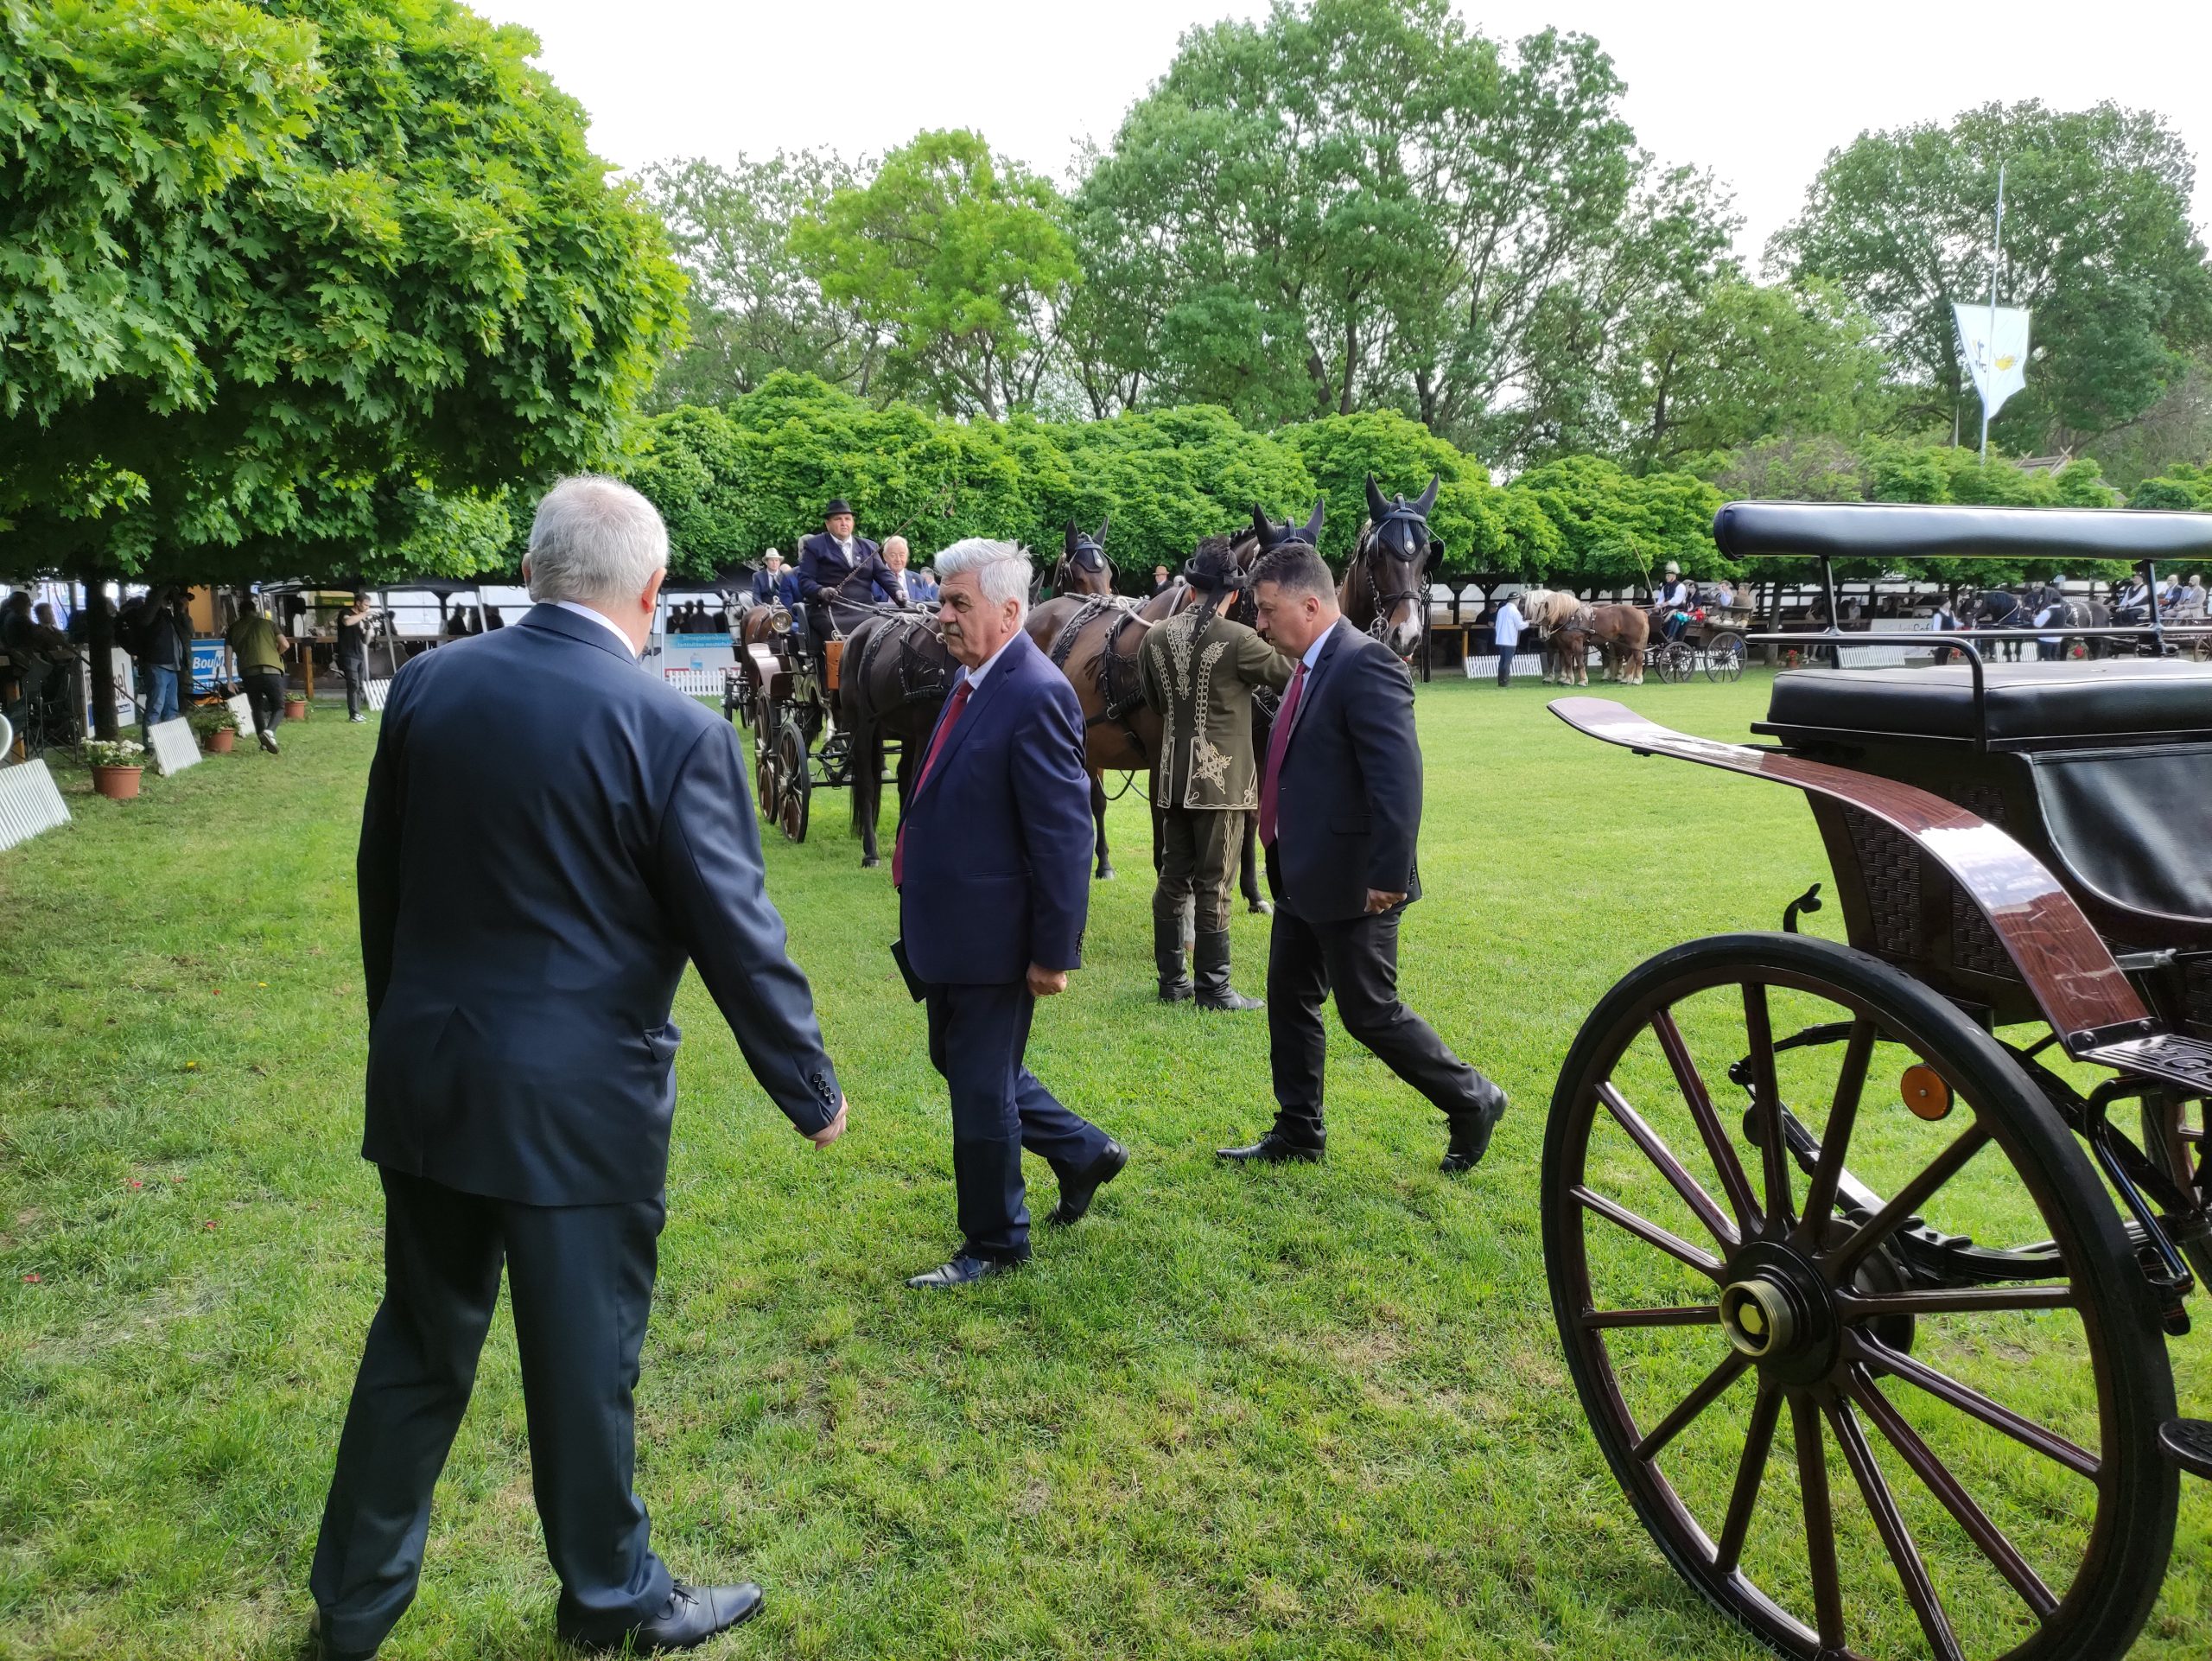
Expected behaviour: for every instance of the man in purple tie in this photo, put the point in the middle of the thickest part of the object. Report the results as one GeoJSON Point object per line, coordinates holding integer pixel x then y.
{"type": "Point", "coordinates": [1339, 813]}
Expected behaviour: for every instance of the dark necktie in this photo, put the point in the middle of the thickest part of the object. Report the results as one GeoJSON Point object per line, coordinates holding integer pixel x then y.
{"type": "Point", "coordinates": [1278, 741]}
{"type": "Point", "coordinates": [943, 731]}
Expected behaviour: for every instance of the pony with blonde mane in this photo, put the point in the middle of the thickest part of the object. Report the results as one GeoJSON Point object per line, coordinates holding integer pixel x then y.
{"type": "Point", "coordinates": [1568, 626]}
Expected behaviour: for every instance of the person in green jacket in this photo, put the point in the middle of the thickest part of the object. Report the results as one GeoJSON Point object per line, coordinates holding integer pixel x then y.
{"type": "Point", "coordinates": [258, 647]}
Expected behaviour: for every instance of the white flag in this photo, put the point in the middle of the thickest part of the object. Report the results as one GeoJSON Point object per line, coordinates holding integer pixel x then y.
{"type": "Point", "coordinates": [1996, 357]}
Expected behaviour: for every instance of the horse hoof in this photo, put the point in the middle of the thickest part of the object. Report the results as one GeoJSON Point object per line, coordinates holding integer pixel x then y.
{"type": "Point", "coordinates": [870, 863]}
{"type": "Point", "coordinates": [1105, 873]}
{"type": "Point", "coordinates": [1261, 908]}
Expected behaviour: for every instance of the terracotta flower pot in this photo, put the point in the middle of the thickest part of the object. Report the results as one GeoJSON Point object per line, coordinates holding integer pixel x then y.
{"type": "Point", "coordinates": [222, 743]}
{"type": "Point", "coordinates": [295, 710]}
{"type": "Point", "coordinates": [120, 784]}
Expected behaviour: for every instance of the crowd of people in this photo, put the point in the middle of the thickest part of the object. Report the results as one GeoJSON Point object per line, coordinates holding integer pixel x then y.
{"type": "Point", "coordinates": [520, 965]}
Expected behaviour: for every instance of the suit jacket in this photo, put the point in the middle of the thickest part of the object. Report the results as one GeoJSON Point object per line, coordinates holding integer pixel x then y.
{"type": "Point", "coordinates": [998, 836]}
{"type": "Point", "coordinates": [1199, 672]}
{"type": "Point", "coordinates": [776, 591]}
{"type": "Point", "coordinates": [549, 835]}
{"type": "Point", "coordinates": [1348, 801]}
{"type": "Point", "coordinates": [824, 573]}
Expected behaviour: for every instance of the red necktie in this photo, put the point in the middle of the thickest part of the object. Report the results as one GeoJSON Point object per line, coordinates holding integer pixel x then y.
{"type": "Point", "coordinates": [1278, 741]}
{"type": "Point", "coordinates": [943, 731]}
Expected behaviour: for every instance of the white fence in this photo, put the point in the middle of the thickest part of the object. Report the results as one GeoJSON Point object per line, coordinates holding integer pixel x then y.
{"type": "Point", "coordinates": [29, 803]}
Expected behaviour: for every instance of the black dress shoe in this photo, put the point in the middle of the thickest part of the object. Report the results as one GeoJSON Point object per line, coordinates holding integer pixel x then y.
{"type": "Point", "coordinates": [1471, 1131]}
{"type": "Point", "coordinates": [691, 1616]}
{"type": "Point", "coordinates": [964, 1271]}
{"type": "Point", "coordinates": [1075, 1191]}
{"type": "Point", "coordinates": [1273, 1149]}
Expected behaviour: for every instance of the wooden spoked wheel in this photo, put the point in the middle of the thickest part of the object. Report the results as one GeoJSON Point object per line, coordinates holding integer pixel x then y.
{"type": "Point", "coordinates": [795, 785]}
{"type": "Point", "coordinates": [1880, 1381]}
{"type": "Point", "coordinates": [766, 788]}
{"type": "Point", "coordinates": [1724, 657]}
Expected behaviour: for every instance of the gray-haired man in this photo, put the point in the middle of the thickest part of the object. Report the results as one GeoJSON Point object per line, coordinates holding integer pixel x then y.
{"type": "Point", "coordinates": [550, 835]}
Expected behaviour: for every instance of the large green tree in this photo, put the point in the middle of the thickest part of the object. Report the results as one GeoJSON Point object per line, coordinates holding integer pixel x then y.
{"type": "Point", "coordinates": [275, 273]}
{"type": "Point", "coordinates": [1616, 528]}
{"type": "Point", "coordinates": [753, 307]}
{"type": "Point", "coordinates": [1359, 203]}
{"type": "Point", "coordinates": [961, 258]}
{"type": "Point", "coordinates": [2098, 242]}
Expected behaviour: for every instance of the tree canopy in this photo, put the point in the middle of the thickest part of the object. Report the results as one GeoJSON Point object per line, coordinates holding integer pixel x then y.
{"type": "Point", "coordinates": [284, 278]}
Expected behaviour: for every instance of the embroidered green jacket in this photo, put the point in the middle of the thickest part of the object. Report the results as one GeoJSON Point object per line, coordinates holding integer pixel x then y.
{"type": "Point", "coordinates": [1198, 672]}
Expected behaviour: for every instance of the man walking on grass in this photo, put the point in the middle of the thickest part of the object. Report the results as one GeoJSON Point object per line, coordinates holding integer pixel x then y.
{"type": "Point", "coordinates": [548, 837]}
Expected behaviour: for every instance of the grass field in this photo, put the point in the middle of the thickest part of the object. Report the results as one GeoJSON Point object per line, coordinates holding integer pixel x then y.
{"type": "Point", "coordinates": [1313, 1412]}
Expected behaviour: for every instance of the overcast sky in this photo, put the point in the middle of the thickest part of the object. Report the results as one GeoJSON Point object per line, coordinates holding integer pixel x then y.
{"type": "Point", "coordinates": [1759, 92]}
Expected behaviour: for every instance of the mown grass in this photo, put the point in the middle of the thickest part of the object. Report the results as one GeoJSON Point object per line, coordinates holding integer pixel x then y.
{"type": "Point", "coordinates": [1311, 1412]}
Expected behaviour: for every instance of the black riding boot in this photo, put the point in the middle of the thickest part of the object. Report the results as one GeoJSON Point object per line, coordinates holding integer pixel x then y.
{"type": "Point", "coordinates": [1213, 959]}
{"type": "Point", "coordinates": [1167, 958]}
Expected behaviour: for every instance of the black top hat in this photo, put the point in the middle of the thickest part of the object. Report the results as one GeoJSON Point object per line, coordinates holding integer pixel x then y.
{"type": "Point", "coordinates": [838, 504]}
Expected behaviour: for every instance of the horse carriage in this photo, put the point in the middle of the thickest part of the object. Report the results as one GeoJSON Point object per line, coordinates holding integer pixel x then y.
{"type": "Point", "coordinates": [787, 696]}
{"type": "Point", "coordinates": [1711, 643]}
{"type": "Point", "coordinates": [1928, 1205]}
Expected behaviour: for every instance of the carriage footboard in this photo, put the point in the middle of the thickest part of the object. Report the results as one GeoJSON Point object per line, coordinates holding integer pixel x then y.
{"type": "Point", "coordinates": [2080, 989]}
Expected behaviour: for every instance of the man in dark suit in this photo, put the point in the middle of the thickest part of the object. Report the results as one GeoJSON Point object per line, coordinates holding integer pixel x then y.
{"type": "Point", "coordinates": [1339, 813]}
{"type": "Point", "coordinates": [548, 836]}
{"type": "Point", "coordinates": [993, 867]}
{"type": "Point", "coordinates": [834, 565]}
{"type": "Point", "coordinates": [772, 585]}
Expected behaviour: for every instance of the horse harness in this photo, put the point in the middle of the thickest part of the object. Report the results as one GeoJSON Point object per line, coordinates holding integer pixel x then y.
{"type": "Point", "coordinates": [921, 678]}
{"type": "Point", "coordinates": [1371, 559]}
{"type": "Point", "coordinates": [1119, 693]}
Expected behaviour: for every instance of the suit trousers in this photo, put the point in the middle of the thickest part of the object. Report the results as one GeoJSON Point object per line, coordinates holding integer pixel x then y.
{"type": "Point", "coordinates": [1199, 849]}
{"type": "Point", "coordinates": [581, 1281]}
{"type": "Point", "coordinates": [1358, 959]}
{"type": "Point", "coordinates": [977, 1034]}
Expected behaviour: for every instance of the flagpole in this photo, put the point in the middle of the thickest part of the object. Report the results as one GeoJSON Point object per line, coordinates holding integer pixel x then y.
{"type": "Point", "coordinates": [1996, 241]}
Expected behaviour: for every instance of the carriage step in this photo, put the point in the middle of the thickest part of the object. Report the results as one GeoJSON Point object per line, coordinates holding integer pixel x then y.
{"type": "Point", "coordinates": [2188, 1443]}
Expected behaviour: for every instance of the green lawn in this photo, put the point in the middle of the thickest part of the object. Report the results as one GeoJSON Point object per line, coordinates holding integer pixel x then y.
{"type": "Point", "coordinates": [1311, 1412]}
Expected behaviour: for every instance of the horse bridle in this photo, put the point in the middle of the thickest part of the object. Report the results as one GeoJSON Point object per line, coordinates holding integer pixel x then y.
{"type": "Point", "coordinates": [1374, 555]}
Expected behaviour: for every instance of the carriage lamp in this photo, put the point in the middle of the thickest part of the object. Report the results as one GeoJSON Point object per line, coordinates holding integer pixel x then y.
{"type": "Point", "coordinates": [1925, 1093]}
{"type": "Point", "coordinates": [1757, 1317]}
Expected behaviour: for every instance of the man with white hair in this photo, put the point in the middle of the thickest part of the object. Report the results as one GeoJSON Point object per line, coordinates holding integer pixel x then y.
{"type": "Point", "coordinates": [907, 588]}
{"type": "Point", "coordinates": [993, 868]}
{"type": "Point", "coordinates": [548, 836]}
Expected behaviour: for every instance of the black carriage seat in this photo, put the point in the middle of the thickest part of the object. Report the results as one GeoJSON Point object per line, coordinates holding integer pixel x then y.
{"type": "Point", "coordinates": [2111, 760]}
{"type": "Point", "coordinates": [2029, 706]}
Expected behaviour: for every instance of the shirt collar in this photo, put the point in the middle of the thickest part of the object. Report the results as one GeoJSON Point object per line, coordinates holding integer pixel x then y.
{"type": "Point", "coordinates": [975, 677]}
{"type": "Point", "coordinates": [604, 622]}
{"type": "Point", "coordinates": [1312, 657]}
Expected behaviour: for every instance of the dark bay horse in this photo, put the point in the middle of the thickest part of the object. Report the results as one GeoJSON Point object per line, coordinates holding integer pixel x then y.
{"type": "Point", "coordinates": [1083, 569]}
{"type": "Point", "coordinates": [895, 677]}
{"type": "Point", "coordinates": [1382, 592]}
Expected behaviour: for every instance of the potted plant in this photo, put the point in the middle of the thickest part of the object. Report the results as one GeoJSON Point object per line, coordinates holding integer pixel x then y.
{"type": "Point", "coordinates": [296, 706]}
{"type": "Point", "coordinates": [115, 766]}
{"type": "Point", "coordinates": [218, 729]}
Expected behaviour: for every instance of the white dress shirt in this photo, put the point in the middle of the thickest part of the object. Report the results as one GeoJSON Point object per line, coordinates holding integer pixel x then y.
{"type": "Point", "coordinates": [1506, 626]}
{"type": "Point", "coordinates": [604, 622]}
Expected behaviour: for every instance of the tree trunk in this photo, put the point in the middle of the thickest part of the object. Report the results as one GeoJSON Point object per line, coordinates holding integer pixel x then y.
{"type": "Point", "coordinates": [99, 638]}
{"type": "Point", "coordinates": [1351, 363]}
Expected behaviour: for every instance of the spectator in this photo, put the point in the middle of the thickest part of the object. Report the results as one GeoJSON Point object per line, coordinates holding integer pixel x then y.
{"type": "Point", "coordinates": [168, 653]}
{"type": "Point", "coordinates": [36, 651]}
{"type": "Point", "coordinates": [259, 650]}
{"type": "Point", "coordinates": [1160, 579]}
{"type": "Point", "coordinates": [1506, 626]}
{"type": "Point", "coordinates": [355, 625]}
{"type": "Point", "coordinates": [2190, 608]}
{"type": "Point", "coordinates": [2052, 612]}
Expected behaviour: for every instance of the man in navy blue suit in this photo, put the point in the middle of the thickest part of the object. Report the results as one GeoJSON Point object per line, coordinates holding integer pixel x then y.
{"type": "Point", "coordinates": [1339, 813]}
{"type": "Point", "coordinates": [550, 835]}
{"type": "Point", "coordinates": [993, 867]}
{"type": "Point", "coordinates": [772, 584]}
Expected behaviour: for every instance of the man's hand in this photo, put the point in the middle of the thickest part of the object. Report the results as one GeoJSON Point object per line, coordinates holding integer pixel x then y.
{"type": "Point", "coordinates": [1378, 901]}
{"type": "Point", "coordinates": [829, 1132]}
{"type": "Point", "coordinates": [1046, 982]}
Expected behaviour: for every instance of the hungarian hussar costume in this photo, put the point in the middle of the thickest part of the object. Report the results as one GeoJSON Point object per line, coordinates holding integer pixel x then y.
{"type": "Point", "coordinates": [1200, 669]}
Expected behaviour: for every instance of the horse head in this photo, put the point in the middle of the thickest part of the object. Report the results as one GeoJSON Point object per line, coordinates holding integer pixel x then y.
{"type": "Point", "coordinates": [1393, 548]}
{"type": "Point", "coordinates": [1082, 568]}
{"type": "Point", "coordinates": [1269, 536]}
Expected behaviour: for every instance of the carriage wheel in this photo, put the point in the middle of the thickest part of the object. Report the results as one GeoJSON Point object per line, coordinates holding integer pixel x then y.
{"type": "Point", "coordinates": [1672, 663]}
{"type": "Point", "coordinates": [837, 760]}
{"type": "Point", "coordinates": [1841, 1437]}
{"type": "Point", "coordinates": [766, 788]}
{"type": "Point", "coordinates": [797, 782]}
{"type": "Point", "coordinates": [1724, 657]}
